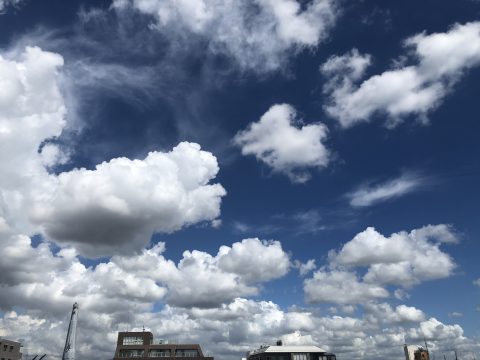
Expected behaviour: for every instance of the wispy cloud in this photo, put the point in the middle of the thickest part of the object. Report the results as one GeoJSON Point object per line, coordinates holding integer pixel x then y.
{"type": "Point", "coordinates": [373, 193]}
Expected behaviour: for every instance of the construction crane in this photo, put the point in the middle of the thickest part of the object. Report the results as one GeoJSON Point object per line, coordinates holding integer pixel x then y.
{"type": "Point", "coordinates": [69, 350]}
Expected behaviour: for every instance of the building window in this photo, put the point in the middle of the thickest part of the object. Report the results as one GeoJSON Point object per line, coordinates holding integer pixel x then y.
{"type": "Point", "coordinates": [133, 340]}
{"type": "Point", "coordinates": [300, 356]}
{"type": "Point", "coordinates": [11, 348]}
{"type": "Point", "coordinates": [130, 353]}
{"type": "Point", "coordinates": [159, 353]}
{"type": "Point", "coordinates": [186, 353]}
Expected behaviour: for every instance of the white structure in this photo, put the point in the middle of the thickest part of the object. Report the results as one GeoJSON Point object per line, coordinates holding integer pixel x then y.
{"type": "Point", "coordinates": [280, 352]}
{"type": "Point", "coordinates": [410, 351]}
{"type": "Point", "coordinates": [69, 350]}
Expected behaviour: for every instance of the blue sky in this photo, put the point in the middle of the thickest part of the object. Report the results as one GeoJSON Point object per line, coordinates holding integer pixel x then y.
{"type": "Point", "coordinates": [234, 173]}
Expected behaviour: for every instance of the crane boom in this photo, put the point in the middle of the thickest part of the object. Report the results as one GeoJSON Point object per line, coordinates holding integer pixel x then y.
{"type": "Point", "coordinates": [69, 350]}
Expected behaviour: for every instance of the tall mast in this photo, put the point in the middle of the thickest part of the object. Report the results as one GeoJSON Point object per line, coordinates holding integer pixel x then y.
{"type": "Point", "coordinates": [69, 350]}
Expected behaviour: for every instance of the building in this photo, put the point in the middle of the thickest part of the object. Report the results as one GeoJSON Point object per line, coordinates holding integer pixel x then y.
{"type": "Point", "coordinates": [10, 350]}
{"type": "Point", "coordinates": [421, 354]}
{"type": "Point", "coordinates": [142, 346]}
{"type": "Point", "coordinates": [281, 352]}
{"type": "Point", "coordinates": [413, 352]}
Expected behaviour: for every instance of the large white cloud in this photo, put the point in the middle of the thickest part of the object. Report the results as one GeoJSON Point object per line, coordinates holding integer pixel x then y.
{"type": "Point", "coordinates": [114, 208]}
{"type": "Point", "coordinates": [32, 111]}
{"type": "Point", "coordinates": [123, 202]}
{"type": "Point", "coordinates": [125, 291]}
{"type": "Point", "coordinates": [340, 287]}
{"type": "Point", "coordinates": [258, 34]}
{"type": "Point", "coordinates": [403, 258]}
{"type": "Point", "coordinates": [440, 61]}
{"type": "Point", "coordinates": [203, 280]}
{"type": "Point", "coordinates": [281, 141]}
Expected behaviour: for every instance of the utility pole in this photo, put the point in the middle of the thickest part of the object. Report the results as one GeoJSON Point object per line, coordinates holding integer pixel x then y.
{"type": "Point", "coordinates": [69, 350]}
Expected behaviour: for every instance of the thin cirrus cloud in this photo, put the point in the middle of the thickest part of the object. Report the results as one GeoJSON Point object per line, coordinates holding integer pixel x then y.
{"type": "Point", "coordinates": [371, 194]}
{"type": "Point", "coordinates": [280, 140]}
{"type": "Point", "coordinates": [439, 61]}
{"type": "Point", "coordinates": [256, 34]}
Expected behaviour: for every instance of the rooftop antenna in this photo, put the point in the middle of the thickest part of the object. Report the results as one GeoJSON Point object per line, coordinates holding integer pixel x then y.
{"type": "Point", "coordinates": [426, 347]}
{"type": "Point", "coordinates": [69, 350]}
{"type": "Point", "coordinates": [456, 358]}
{"type": "Point", "coordinates": [42, 356]}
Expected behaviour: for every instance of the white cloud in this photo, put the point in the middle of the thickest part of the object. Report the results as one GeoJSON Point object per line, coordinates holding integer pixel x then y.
{"type": "Point", "coordinates": [340, 287]}
{"type": "Point", "coordinates": [403, 258]}
{"type": "Point", "coordinates": [386, 314]}
{"type": "Point", "coordinates": [281, 141]}
{"type": "Point", "coordinates": [476, 282]}
{"type": "Point", "coordinates": [432, 329]}
{"type": "Point", "coordinates": [455, 314]}
{"type": "Point", "coordinates": [374, 193]}
{"type": "Point", "coordinates": [114, 208]}
{"type": "Point", "coordinates": [254, 260]}
{"type": "Point", "coordinates": [4, 4]}
{"type": "Point", "coordinates": [440, 61]}
{"type": "Point", "coordinates": [203, 280]}
{"type": "Point", "coordinates": [305, 268]}
{"type": "Point", "coordinates": [257, 34]}
{"type": "Point", "coordinates": [32, 112]}
{"type": "Point", "coordinates": [120, 204]}
{"type": "Point", "coordinates": [120, 293]}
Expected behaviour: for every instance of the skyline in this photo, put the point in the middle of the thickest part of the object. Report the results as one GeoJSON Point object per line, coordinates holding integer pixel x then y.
{"type": "Point", "coordinates": [234, 173]}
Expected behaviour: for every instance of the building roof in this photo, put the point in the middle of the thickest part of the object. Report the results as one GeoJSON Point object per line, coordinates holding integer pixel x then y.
{"type": "Point", "coordinates": [289, 349]}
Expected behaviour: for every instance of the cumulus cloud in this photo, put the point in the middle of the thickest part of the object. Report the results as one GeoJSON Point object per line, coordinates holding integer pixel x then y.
{"type": "Point", "coordinates": [258, 35]}
{"type": "Point", "coordinates": [281, 141]}
{"type": "Point", "coordinates": [476, 282]}
{"type": "Point", "coordinates": [400, 314]}
{"type": "Point", "coordinates": [32, 114]}
{"type": "Point", "coordinates": [340, 287]}
{"type": "Point", "coordinates": [438, 62]}
{"type": "Point", "coordinates": [203, 280]}
{"type": "Point", "coordinates": [121, 293]}
{"type": "Point", "coordinates": [123, 202]}
{"type": "Point", "coordinates": [404, 259]}
{"type": "Point", "coordinates": [114, 208]}
{"type": "Point", "coordinates": [371, 194]}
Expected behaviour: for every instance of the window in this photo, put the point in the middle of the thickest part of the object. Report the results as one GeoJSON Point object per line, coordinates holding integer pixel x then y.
{"type": "Point", "coordinates": [133, 340]}
{"type": "Point", "coordinates": [300, 357]}
{"type": "Point", "coordinates": [11, 348]}
{"type": "Point", "coordinates": [159, 353]}
{"type": "Point", "coordinates": [186, 353]}
{"type": "Point", "coordinates": [5, 348]}
{"type": "Point", "coordinates": [130, 353]}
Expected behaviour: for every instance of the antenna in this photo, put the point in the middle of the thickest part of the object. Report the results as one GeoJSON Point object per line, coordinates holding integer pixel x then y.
{"type": "Point", "coordinates": [426, 347]}
{"type": "Point", "coordinates": [456, 358]}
